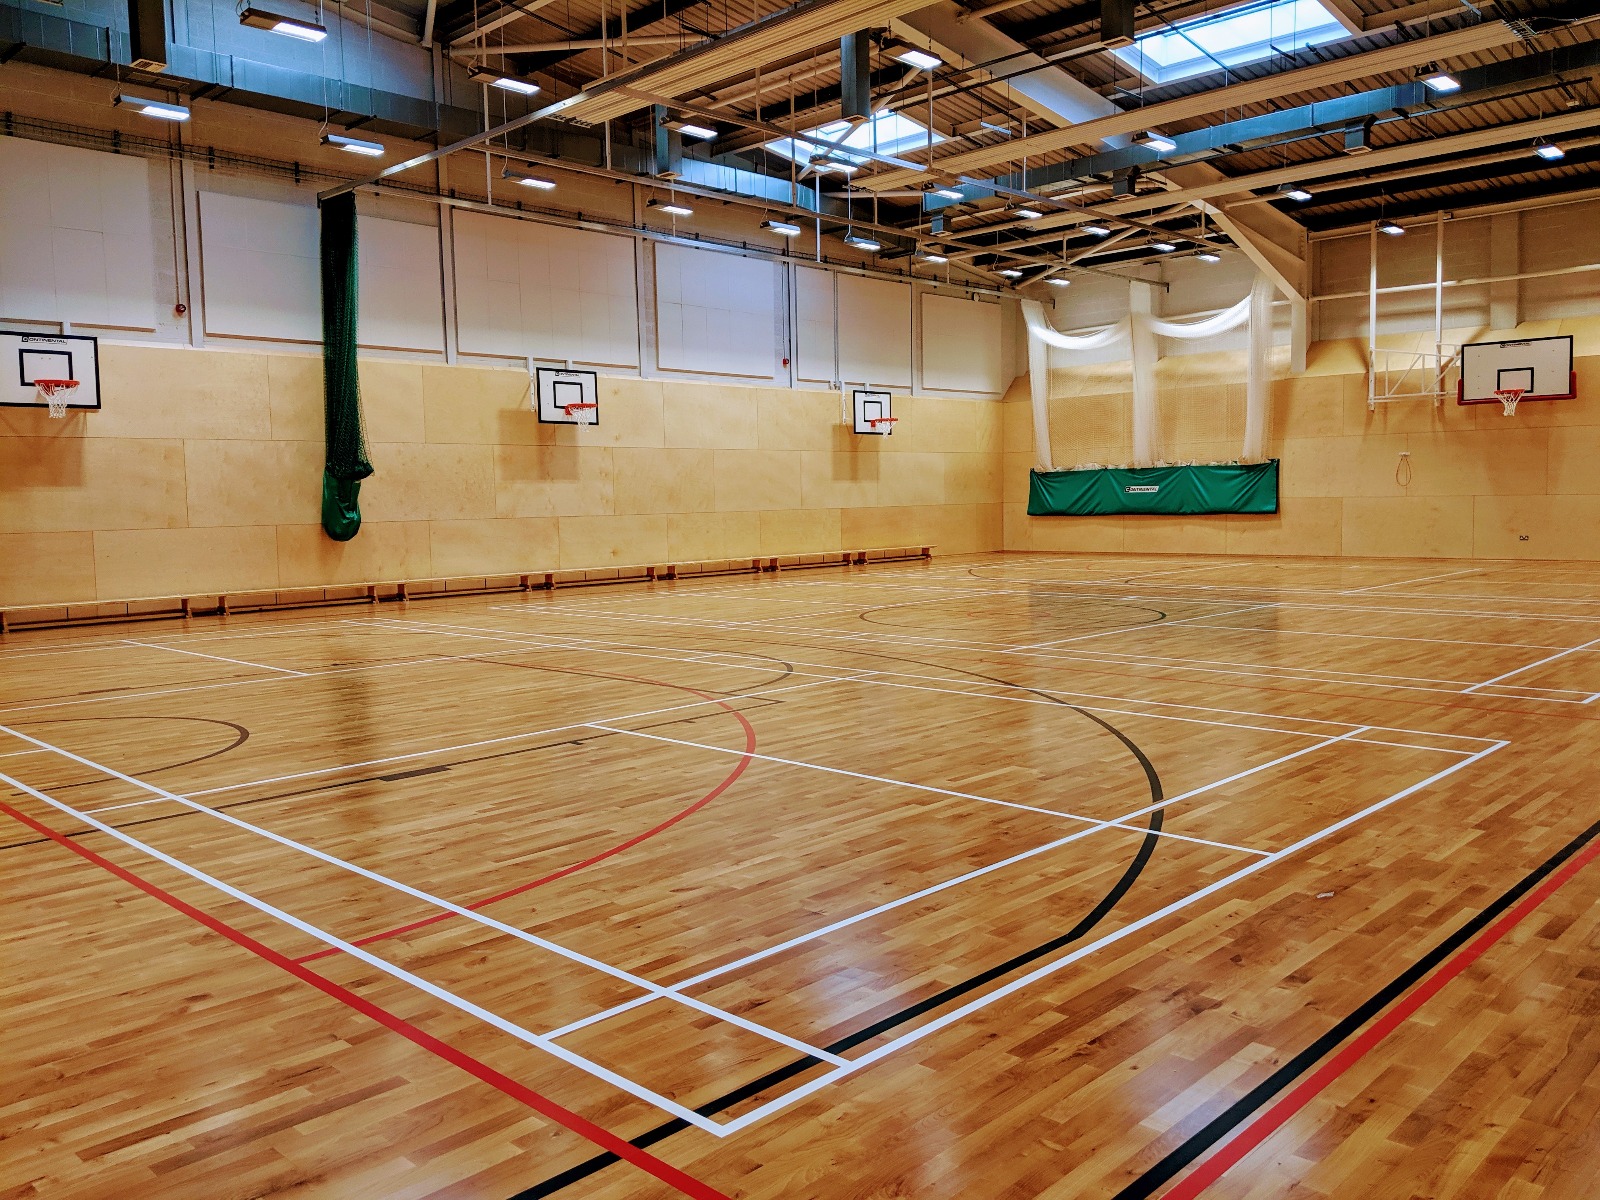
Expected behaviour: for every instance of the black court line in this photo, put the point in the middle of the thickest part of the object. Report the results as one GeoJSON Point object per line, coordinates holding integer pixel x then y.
{"type": "Point", "coordinates": [1237, 1113]}
{"type": "Point", "coordinates": [799, 1066]}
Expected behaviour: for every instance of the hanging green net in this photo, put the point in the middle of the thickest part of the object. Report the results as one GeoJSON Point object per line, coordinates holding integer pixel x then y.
{"type": "Point", "coordinates": [346, 465]}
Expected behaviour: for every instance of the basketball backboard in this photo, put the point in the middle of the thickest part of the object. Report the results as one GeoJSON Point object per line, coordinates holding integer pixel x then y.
{"type": "Point", "coordinates": [566, 397]}
{"type": "Point", "coordinates": [874, 412]}
{"type": "Point", "coordinates": [26, 358]}
{"type": "Point", "coordinates": [1541, 367]}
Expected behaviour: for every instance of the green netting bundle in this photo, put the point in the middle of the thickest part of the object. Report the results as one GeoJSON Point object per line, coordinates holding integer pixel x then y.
{"type": "Point", "coordinates": [346, 464]}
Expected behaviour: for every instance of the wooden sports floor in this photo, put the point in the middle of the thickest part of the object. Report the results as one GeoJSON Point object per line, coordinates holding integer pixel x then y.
{"type": "Point", "coordinates": [999, 876]}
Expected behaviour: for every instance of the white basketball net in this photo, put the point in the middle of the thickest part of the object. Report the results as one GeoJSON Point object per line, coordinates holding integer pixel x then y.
{"type": "Point", "coordinates": [56, 393]}
{"type": "Point", "coordinates": [1508, 399]}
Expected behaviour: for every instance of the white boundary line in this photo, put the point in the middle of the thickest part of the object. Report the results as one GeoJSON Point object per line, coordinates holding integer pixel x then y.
{"type": "Point", "coordinates": [1402, 582]}
{"type": "Point", "coordinates": [1083, 637]}
{"type": "Point", "coordinates": [473, 915]}
{"type": "Point", "coordinates": [213, 657]}
{"type": "Point", "coordinates": [1068, 959]}
{"type": "Point", "coordinates": [1532, 665]}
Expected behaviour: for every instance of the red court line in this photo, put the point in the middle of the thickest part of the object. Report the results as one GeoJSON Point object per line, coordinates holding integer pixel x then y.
{"type": "Point", "coordinates": [727, 782]}
{"type": "Point", "coordinates": [1270, 1121]}
{"type": "Point", "coordinates": [664, 1171]}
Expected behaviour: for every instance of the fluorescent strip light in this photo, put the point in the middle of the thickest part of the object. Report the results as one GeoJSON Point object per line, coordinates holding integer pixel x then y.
{"type": "Point", "coordinates": [1208, 256]}
{"type": "Point", "coordinates": [672, 207]}
{"type": "Point", "coordinates": [922, 60]}
{"type": "Point", "coordinates": [704, 132]}
{"type": "Point", "coordinates": [1009, 272]}
{"type": "Point", "coordinates": [305, 31]}
{"type": "Point", "coordinates": [155, 108]}
{"type": "Point", "coordinates": [1154, 140]}
{"type": "Point", "coordinates": [1057, 281]}
{"type": "Point", "coordinates": [862, 243]}
{"type": "Point", "coordinates": [787, 228]}
{"type": "Point", "coordinates": [527, 180]}
{"type": "Point", "coordinates": [935, 259]}
{"type": "Point", "coordinates": [1390, 228]}
{"type": "Point", "coordinates": [1442, 82]}
{"type": "Point", "coordinates": [948, 193]}
{"type": "Point", "coordinates": [1296, 193]}
{"type": "Point", "coordinates": [1164, 247]}
{"type": "Point", "coordinates": [499, 79]}
{"type": "Point", "coordinates": [1549, 151]}
{"type": "Point", "coordinates": [1027, 214]}
{"type": "Point", "coordinates": [353, 145]}
{"type": "Point", "coordinates": [1097, 230]}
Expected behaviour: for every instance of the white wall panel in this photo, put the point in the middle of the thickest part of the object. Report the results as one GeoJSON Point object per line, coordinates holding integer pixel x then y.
{"type": "Point", "coordinates": [961, 345]}
{"type": "Point", "coordinates": [523, 288]}
{"type": "Point", "coordinates": [875, 331]}
{"type": "Point", "coordinates": [814, 325]}
{"type": "Point", "coordinates": [75, 236]}
{"type": "Point", "coordinates": [402, 285]}
{"type": "Point", "coordinates": [259, 267]}
{"type": "Point", "coordinates": [715, 313]}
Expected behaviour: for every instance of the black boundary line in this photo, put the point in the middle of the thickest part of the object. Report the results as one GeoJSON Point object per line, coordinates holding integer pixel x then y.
{"type": "Point", "coordinates": [1243, 1108]}
{"type": "Point", "coordinates": [799, 1066]}
{"type": "Point", "coordinates": [241, 736]}
{"type": "Point", "coordinates": [760, 702]}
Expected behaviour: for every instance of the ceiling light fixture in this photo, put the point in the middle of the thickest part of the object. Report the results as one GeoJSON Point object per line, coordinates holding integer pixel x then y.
{"type": "Point", "coordinates": [1296, 193]}
{"type": "Point", "coordinates": [934, 259]}
{"type": "Point", "coordinates": [689, 129]}
{"type": "Point", "coordinates": [352, 145]}
{"type": "Point", "coordinates": [1390, 228]}
{"type": "Point", "coordinates": [154, 108]}
{"type": "Point", "coordinates": [528, 180]}
{"type": "Point", "coordinates": [1009, 272]}
{"type": "Point", "coordinates": [862, 243]}
{"type": "Point", "coordinates": [912, 56]}
{"type": "Point", "coordinates": [948, 193]}
{"type": "Point", "coordinates": [670, 206]}
{"type": "Point", "coordinates": [1156, 140]}
{"type": "Point", "coordinates": [499, 79]}
{"type": "Point", "coordinates": [1209, 257]}
{"type": "Point", "coordinates": [295, 27]}
{"type": "Point", "coordinates": [1439, 81]}
{"type": "Point", "coordinates": [1026, 214]}
{"type": "Point", "coordinates": [786, 228]}
{"type": "Point", "coordinates": [1097, 231]}
{"type": "Point", "coordinates": [1057, 281]}
{"type": "Point", "coordinates": [1549, 151]}
{"type": "Point", "coordinates": [1164, 247]}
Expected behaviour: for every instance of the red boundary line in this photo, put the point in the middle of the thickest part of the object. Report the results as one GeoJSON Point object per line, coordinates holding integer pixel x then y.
{"type": "Point", "coordinates": [1275, 1117]}
{"type": "Point", "coordinates": [664, 1171]}
{"type": "Point", "coordinates": [727, 782]}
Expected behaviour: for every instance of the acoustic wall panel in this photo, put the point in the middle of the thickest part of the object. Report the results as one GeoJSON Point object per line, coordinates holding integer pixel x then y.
{"type": "Point", "coordinates": [962, 349]}
{"type": "Point", "coordinates": [259, 266]}
{"type": "Point", "coordinates": [874, 331]}
{"type": "Point", "coordinates": [716, 313]}
{"type": "Point", "coordinates": [402, 285]}
{"type": "Point", "coordinates": [814, 348]}
{"type": "Point", "coordinates": [76, 241]}
{"type": "Point", "coordinates": [544, 291]}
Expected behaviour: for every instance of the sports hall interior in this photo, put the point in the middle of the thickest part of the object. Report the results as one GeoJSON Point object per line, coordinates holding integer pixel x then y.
{"type": "Point", "coordinates": [598, 599]}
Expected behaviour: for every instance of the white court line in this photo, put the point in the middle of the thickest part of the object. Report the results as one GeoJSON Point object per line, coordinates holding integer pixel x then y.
{"type": "Point", "coordinates": [213, 657]}
{"type": "Point", "coordinates": [878, 910]}
{"type": "Point", "coordinates": [1403, 582]}
{"type": "Point", "coordinates": [1083, 637]}
{"type": "Point", "coordinates": [1068, 959]}
{"type": "Point", "coordinates": [89, 645]}
{"type": "Point", "coordinates": [473, 915]}
{"type": "Point", "coordinates": [20, 753]}
{"type": "Point", "coordinates": [923, 787]}
{"type": "Point", "coordinates": [422, 985]}
{"type": "Point", "coordinates": [673, 654]}
{"type": "Point", "coordinates": [1531, 666]}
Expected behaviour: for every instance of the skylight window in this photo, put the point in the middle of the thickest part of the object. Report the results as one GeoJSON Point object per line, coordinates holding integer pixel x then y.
{"type": "Point", "coordinates": [1244, 34]}
{"type": "Point", "coordinates": [886, 133]}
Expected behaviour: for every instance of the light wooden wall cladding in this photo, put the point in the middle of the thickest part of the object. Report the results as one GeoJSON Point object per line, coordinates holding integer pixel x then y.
{"type": "Point", "coordinates": [716, 313]}
{"type": "Point", "coordinates": [1481, 485]}
{"type": "Point", "coordinates": [545, 291]}
{"type": "Point", "coordinates": [202, 473]}
{"type": "Point", "coordinates": [75, 236]}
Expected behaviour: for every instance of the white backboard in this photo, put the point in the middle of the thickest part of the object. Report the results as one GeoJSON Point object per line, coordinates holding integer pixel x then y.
{"type": "Point", "coordinates": [874, 411]}
{"type": "Point", "coordinates": [26, 357]}
{"type": "Point", "coordinates": [1542, 367]}
{"type": "Point", "coordinates": [567, 397]}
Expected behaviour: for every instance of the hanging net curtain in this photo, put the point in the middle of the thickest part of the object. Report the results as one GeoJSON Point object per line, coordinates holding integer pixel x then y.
{"type": "Point", "coordinates": [1141, 327]}
{"type": "Point", "coordinates": [346, 463]}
